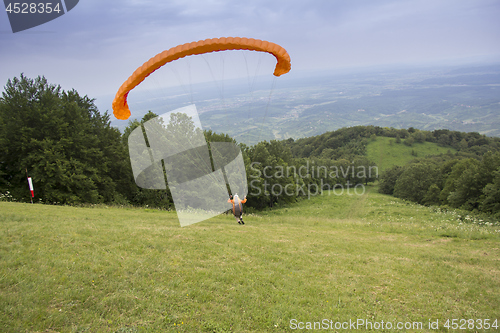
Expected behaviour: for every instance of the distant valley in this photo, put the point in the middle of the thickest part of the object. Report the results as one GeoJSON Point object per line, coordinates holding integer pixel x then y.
{"type": "Point", "coordinates": [457, 98]}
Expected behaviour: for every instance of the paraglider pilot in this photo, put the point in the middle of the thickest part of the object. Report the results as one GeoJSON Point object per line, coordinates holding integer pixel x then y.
{"type": "Point", "coordinates": [237, 207]}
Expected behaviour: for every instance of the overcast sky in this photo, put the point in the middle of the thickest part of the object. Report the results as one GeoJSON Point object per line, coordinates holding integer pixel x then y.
{"type": "Point", "coordinates": [97, 45]}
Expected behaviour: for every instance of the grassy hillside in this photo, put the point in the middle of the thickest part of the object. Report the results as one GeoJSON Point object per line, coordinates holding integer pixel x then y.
{"type": "Point", "coordinates": [387, 155]}
{"type": "Point", "coordinates": [336, 257]}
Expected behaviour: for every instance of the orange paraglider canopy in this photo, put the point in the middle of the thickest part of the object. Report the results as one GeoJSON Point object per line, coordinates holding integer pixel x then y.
{"type": "Point", "coordinates": [120, 106]}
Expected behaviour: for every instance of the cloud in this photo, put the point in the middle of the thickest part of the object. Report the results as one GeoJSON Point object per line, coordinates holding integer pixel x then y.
{"type": "Point", "coordinates": [99, 43]}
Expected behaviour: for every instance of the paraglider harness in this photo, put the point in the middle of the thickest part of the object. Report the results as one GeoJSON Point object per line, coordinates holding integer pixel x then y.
{"type": "Point", "coordinates": [237, 207]}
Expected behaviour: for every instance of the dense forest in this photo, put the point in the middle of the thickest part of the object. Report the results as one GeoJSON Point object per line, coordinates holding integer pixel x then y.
{"type": "Point", "coordinates": [468, 179]}
{"type": "Point", "coordinates": [459, 181]}
{"type": "Point", "coordinates": [75, 156]}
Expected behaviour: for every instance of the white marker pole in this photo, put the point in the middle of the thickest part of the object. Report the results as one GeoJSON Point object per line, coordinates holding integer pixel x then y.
{"type": "Point", "coordinates": [30, 183]}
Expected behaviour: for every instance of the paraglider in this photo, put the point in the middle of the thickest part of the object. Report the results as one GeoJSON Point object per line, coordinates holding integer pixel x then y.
{"type": "Point", "coordinates": [176, 151]}
{"type": "Point", "coordinates": [283, 66]}
{"type": "Point", "coordinates": [237, 207]}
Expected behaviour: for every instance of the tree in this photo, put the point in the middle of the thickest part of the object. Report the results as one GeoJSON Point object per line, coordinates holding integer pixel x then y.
{"type": "Point", "coordinates": [452, 181]}
{"type": "Point", "coordinates": [4, 184]}
{"type": "Point", "coordinates": [491, 201]}
{"type": "Point", "coordinates": [463, 145]}
{"type": "Point", "coordinates": [389, 179]}
{"type": "Point", "coordinates": [418, 136]}
{"type": "Point", "coordinates": [465, 185]}
{"type": "Point", "coordinates": [365, 171]}
{"type": "Point", "coordinates": [142, 196]}
{"type": "Point", "coordinates": [415, 181]}
{"type": "Point", "coordinates": [68, 147]}
{"type": "Point", "coordinates": [409, 141]}
{"type": "Point", "coordinates": [444, 140]}
{"type": "Point", "coordinates": [466, 190]}
{"type": "Point", "coordinates": [432, 195]}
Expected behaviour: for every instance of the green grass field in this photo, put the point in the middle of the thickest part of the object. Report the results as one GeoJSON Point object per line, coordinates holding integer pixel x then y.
{"type": "Point", "coordinates": [386, 155]}
{"type": "Point", "coordinates": [340, 258]}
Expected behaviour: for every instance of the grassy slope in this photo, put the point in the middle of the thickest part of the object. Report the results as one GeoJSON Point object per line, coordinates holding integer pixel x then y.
{"type": "Point", "coordinates": [387, 155]}
{"type": "Point", "coordinates": [373, 257]}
